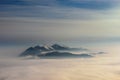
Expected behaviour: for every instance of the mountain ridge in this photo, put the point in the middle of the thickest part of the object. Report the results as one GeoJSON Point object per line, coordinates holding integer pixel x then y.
{"type": "Point", "coordinates": [54, 50]}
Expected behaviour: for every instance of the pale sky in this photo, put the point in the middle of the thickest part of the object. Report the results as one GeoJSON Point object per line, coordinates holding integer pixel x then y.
{"type": "Point", "coordinates": [40, 20]}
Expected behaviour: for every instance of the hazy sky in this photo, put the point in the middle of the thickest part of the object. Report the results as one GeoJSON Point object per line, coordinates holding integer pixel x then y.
{"type": "Point", "coordinates": [24, 21]}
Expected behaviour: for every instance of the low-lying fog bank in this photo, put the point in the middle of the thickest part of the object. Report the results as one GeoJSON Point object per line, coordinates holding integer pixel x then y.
{"type": "Point", "coordinates": [101, 67]}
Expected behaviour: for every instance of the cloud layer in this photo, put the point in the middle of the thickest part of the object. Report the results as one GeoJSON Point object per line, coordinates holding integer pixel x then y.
{"type": "Point", "coordinates": [40, 20]}
{"type": "Point", "coordinates": [53, 8]}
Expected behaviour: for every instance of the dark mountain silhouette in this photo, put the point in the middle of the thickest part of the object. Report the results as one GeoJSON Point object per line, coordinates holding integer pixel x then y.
{"type": "Point", "coordinates": [64, 54]}
{"type": "Point", "coordinates": [59, 47]}
{"type": "Point", "coordinates": [56, 53]}
{"type": "Point", "coordinates": [30, 51]}
{"type": "Point", "coordinates": [54, 50]}
{"type": "Point", "coordinates": [43, 48]}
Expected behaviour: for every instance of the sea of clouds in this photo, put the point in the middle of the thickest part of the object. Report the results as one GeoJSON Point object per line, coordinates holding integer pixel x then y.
{"type": "Point", "coordinates": [101, 67]}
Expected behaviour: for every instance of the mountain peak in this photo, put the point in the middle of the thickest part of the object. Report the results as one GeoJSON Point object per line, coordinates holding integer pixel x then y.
{"type": "Point", "coordinates": [54, 49]}
{"type": "Point", "coordinates": [59, 47]}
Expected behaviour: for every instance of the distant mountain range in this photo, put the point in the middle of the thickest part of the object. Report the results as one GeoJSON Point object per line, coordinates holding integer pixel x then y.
{"type": "Point", "coordinates": [56, 54]}
{"type": "Point", "coordinates": [54, 50]}
{"type": "Point", "coordinates": [40, 49]}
